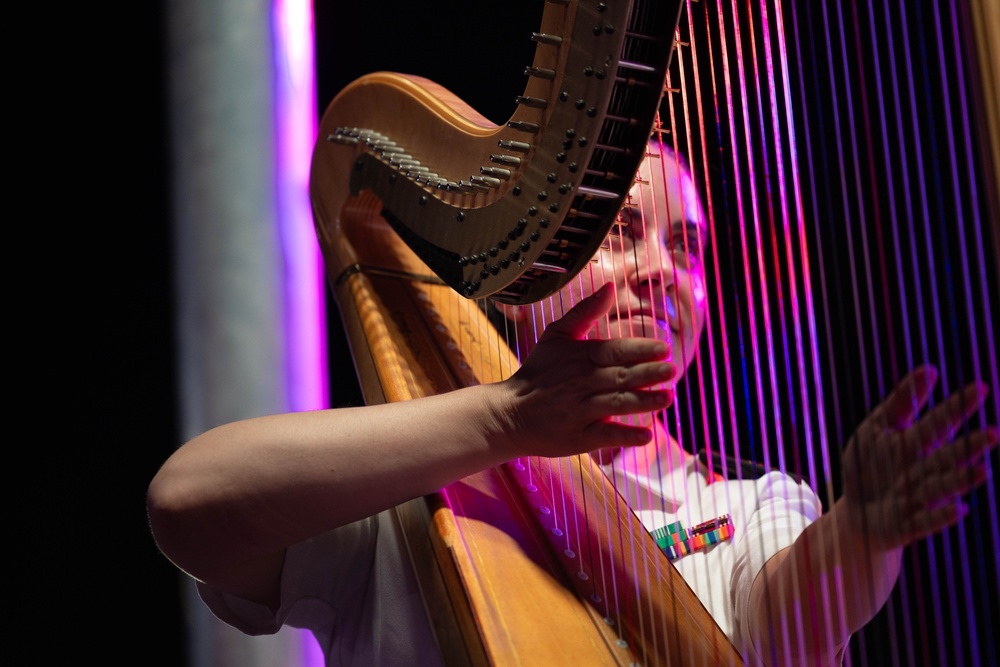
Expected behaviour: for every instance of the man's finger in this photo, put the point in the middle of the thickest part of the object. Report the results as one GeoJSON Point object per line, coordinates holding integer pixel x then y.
{"type": "Point", "coordinates": [941, 423]}
{"type": "Point", "coordinates": [626, 351]}
{"type": "Point", "coordinates": [904, 403]}
{"type": "Point", "coordinates": [581, 317]}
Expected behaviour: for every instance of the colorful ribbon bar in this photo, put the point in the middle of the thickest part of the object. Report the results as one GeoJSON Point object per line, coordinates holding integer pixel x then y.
{"type": "Point", "coordinates": [676, 542]}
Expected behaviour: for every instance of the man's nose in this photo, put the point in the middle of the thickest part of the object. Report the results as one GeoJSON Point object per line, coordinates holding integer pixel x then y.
{"type": "Point", "coordinates": [654, 271]}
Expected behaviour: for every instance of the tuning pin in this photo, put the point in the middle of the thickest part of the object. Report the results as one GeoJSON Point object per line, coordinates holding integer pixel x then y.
{"type": "Point", "coordinates": [495, 172]}
{"type": "Point", "coordinates": [523, 126]}
{"type": "Point", "coordinates": [540, 73]}
{"type": "Point", "coordinates": [485, 180]}
{"type": "Point", "coordinates": [510, 145]}
{"type": "Point", "coordinates": [543, 38]}
{"type": "Point", "coordinates": [596, 193]}
{"type": "Point", "coordinates": [508, 160]}
{"type": "Point", "coordinates": [527, 101]}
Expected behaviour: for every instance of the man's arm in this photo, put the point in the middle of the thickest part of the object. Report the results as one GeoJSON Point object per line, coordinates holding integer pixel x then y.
{"type": "Point", "coordinates": [226, 505]}
{"type": "Point", "coordinates": [903, 481]}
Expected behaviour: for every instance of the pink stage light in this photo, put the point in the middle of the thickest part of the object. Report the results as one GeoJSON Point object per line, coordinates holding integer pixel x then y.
{"type": "Point", "coordinates": [295, 127]}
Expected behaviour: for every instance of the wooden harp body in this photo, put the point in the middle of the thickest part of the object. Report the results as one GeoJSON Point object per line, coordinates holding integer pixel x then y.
{"type": "Point", "coordinates": [420, 202]}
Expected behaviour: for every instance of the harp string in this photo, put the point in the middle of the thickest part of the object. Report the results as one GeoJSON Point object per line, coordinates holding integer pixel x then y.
{"type": "Point", "coordinates": [634, 491]}
{"type": "Point", "coordinates": [799, 419]}
{"type": "Point", "coordinates": [886, 34]}
{"type": "Point", "coordinates": [964, 265]}
{"type": "Point", "coordinates": [919, 190]}
{"type": "Point", "coordinates": [699, 106]}
{"type": "Point", "coordinates": [782, 203]}
{"type": "Point", "coordinates": [720, 441]}
{"type": "Point", "coordinates": [817, 243]}
{"type": "Point", "coordinates": [821, 396]}
{"type": "Point", "coordinates": [587, 276]}
{"type": "Point", "coordinates": [686, 44]}
{"type": "Point", "coordinates": [813, 348]}
{"type": "Point", "coordinates": [936, 298]}
{"type": "Point", "coordinates": [732, 411]}
{"type": "Point", "coordinates": [978, 235]}
{"type": "Point", "coordinates": [681, 69]}
{"type": "Point", "coordinates": [757, 163]}
{"type": "Point", "coordinates": [862, 230]}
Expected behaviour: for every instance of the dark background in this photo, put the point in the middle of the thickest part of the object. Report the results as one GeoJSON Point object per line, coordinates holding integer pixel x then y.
{"type": "Point", "coordinates": [104, 413]}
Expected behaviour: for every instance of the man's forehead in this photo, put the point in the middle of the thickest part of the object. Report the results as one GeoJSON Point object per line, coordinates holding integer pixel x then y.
{"type": "Point", "coordinates": [671, 189]}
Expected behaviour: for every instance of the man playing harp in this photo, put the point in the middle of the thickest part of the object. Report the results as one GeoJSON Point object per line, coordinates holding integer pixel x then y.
{"type": "Point", "coordinates": [281, 519]}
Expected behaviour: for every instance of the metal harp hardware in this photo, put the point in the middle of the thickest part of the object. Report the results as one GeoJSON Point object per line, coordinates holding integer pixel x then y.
{"type": "Point", "coordinates": [432, 161]}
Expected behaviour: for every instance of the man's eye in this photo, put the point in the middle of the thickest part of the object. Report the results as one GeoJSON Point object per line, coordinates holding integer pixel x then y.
{"type": "Point", "coordinates": [689, 247]}
{"type": "Point", "coordinates": [621, 229]}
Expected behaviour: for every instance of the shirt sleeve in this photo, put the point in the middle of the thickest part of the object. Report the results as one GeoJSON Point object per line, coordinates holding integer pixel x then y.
{"type": "Point", "coordinates": [320, 577]}
{"type": "Point", "coordinates": [355, 589]}
{"type": "Point", "coordinates": [783, 510]}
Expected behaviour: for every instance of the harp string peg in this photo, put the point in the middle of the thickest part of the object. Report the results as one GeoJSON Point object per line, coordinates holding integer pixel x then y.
{"type": "Point", "coordinates": [470, 187]}
{"type": "Point", "coordinates": [495, 172]}
{"type": "Point", "coordinates": [348, 136]}
{"type": "Point", "coordinates": [382, 145]}
{"type": "Point", "coordinates": [631, 122]}
{"type": "Point", "coordinates": [386, 147]}
{"type": "Point", "coordinates": [605, 175]}
{"type": "Point", "coordinates": [540, 72]}
{"type": "Point", "coordinates": [369, 136]}
{"type": "Point", "coordinates": [548, 268]}
{"type": "Point", "coordinates": [631, 82]}
{"type": "Point", "coordinates": [612, 149]}
{"type": "Point", "coordinates": [343, 139]}
{"type": "Point", "coordinates": [487, 181]}
{"type": "Point", "coordinates": [523, 126]}
{"type": "Point", "coordinates": [596, 193]}
{"type": "Point", "coordinates": [534, 102]}
{"type": "Point", "coordinates": [511, 145]}
{"type": "Point", "coordinates": [545, 38]}
{"type": "Point", "coordinates": [508, 160]}
{"type": "Point", "coordinates": [639, 67]}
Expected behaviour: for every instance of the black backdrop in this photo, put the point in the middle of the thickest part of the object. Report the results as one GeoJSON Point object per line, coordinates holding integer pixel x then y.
{"type": "Point", "coordinates": [97, 409]}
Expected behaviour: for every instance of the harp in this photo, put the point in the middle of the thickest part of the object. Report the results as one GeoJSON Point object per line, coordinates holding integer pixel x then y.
{"type": "Point", "coordinates": [783, 194]}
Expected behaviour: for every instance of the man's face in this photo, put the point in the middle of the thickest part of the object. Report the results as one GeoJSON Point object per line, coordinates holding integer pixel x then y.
{"type": "Point", "coordinates": [655, 260]}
